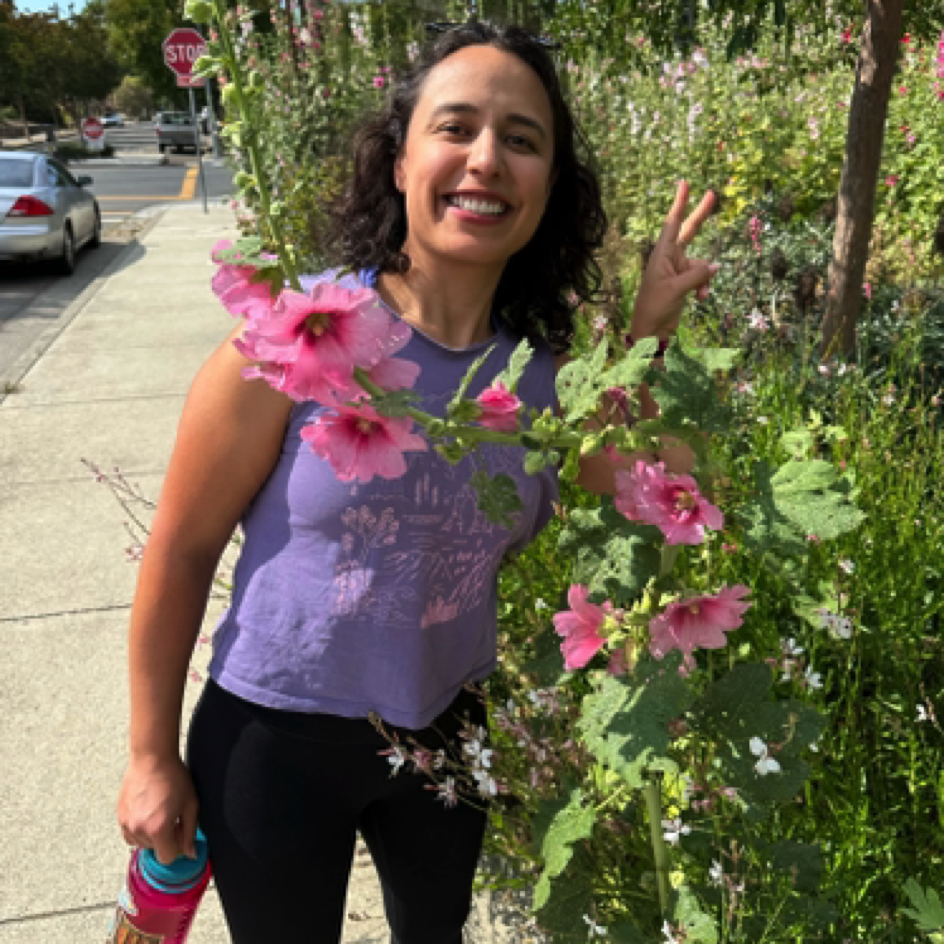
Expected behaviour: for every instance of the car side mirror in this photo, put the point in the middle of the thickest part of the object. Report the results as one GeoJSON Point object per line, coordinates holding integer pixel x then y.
{"type": "Point", "coordinates": [85, 181]}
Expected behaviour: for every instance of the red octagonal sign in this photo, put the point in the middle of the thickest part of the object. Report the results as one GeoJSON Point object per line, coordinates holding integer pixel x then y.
{"type": "Point", "coordinates": [182, 48]}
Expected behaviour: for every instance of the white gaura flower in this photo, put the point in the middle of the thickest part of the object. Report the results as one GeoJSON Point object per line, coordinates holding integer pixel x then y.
{"type": "Point", "coordinates": [488, 786]}
{"type": "Point", "coordinates": [839, 627]}
{"type": "Point", "coordinates": [846, 566]}
{"type": "Point", "coordinates": [596, 930]}
{"type": "Point", "coordinates": [813, 679]}
{"type": "Point", "coordinates": [674, 830]}
{"type": "Point", "coordinates": [715, 873]}
{"type": "Point", "coordinates": [790, 647]}
{"type": "Point", "coordinates": [766, 764]}
{"type": "Point", "coordinates": [921, 714]}
{"type": "Point", "coordinates": [668, 934]}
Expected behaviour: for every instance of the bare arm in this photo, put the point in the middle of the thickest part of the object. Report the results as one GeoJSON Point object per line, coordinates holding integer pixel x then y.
{"type": "Point", "coordinates": [228, 441]}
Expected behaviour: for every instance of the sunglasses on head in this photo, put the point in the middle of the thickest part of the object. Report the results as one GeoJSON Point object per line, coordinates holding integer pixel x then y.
{"type": "Point", "coordinates": [436, 28]}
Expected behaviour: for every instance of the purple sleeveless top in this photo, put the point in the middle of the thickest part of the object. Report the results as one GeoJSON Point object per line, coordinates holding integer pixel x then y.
{"type": "Point", "coordinates": [350, 598]}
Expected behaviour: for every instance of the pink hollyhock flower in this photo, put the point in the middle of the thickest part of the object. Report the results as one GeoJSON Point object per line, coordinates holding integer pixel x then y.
{"type": "Point", "coordinates": [580, 628]}
{"type": "Point", "coordinates": [698, 622]}
{"type": "Point", "coordinates": [671, 503]}
{"type": "Point", "coordinates": [361, 443]}
{"type": "Point", "coordinates": [389, 373]}
{"type": "Point", "coordinates": [499, 408]}
{"type": "Point", "coordinates": [319, 338]}
{"type": "Point", "coordinates": [232, 285]}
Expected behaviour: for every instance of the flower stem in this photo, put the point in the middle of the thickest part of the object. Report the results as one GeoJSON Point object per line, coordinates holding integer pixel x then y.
{"type": "Point", "coordinates": [652, 792]}
{"type": "Point", "coordinates": [255, 158]}
{"type": "Point", "coordinates": [669, 555]}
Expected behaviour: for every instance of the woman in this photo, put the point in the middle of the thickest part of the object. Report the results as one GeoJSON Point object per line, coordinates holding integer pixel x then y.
{"type": "Point", "coordinates": [471, 215]}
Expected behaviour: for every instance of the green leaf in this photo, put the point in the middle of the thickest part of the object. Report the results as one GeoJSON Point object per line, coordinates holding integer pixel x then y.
{"type": "Point", "coordinates": [798, 442]}
{"type": "Point", "coordinates": [801, 498]}
{"type": "Point", "coordinates": [571, 898]}
{"type": "Point", "coordinates": [632, 369]}
{"type": "Point", "coordinates": [497, 497]}
{"type": "Point", "coordinates": [803, 863]}
{"type": "Point", "coordinates": [928, 911]}
{"type": "Point", "coordinates": [469, 375]}
{"type": "Point", "coordinates": [578, 383]}
{"type": "Point", "coordinates": [516, 365]}
{"type": "Point", "coordinates": [737, 707]}
{"type": "Point", "coordinates": [686, 392]}
{"type": "Point", "coordinates": [561, 823]}
{"type": "Point", "coordinates": [612, 556]}
{"type": "Point", "coordinates": [625, 723]}
{"type": "Point", "coordinates": [699, 927]}
{"type": "Point", "coordinates": [627, 932]}
{"type": "Point", "coordinates": [547, 664]}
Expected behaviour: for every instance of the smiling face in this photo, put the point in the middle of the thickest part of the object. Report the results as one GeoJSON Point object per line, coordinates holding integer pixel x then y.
{"type": "Point", "coordinates": [481, 131]}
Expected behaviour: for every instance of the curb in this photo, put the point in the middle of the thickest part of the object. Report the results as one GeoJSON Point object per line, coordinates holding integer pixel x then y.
{"type": "Point", "coordinates": [24, 363]}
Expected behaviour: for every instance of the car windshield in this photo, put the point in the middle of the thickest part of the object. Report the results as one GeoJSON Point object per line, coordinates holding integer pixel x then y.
{"type": "Point", "coordinates": [16, 173]}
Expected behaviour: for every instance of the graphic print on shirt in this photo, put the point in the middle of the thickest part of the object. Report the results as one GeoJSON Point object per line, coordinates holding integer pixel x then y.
{"type": "Point", "coordinates": [449, 558]}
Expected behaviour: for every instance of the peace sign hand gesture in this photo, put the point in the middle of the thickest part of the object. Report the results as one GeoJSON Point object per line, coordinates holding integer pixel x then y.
{"type": "Point", "coordinates": [670, 275]}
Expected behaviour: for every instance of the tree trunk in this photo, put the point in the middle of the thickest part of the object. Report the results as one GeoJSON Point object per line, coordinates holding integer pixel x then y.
{"type": "Point", "coordinates": [22, 106]}
{"type": "Point", "coordinates": [867, 115]}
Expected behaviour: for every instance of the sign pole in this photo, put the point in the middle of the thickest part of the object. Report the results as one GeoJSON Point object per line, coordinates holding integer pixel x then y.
{"type": "Point", "coordinates": [199, 144]}
{"type": "Point", "coordinates": [214, 128]}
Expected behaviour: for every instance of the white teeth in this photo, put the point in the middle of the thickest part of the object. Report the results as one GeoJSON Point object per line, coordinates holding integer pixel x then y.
{"type": "Point", "coordinates": [477, 206]}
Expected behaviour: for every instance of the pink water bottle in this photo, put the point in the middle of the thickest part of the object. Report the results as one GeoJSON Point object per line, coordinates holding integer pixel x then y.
{"type": "Point", "coordinates": [158, 902]}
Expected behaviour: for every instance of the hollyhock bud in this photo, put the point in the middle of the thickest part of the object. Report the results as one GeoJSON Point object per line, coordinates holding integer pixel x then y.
{"type": "Point", "coordinates": [499, 408]}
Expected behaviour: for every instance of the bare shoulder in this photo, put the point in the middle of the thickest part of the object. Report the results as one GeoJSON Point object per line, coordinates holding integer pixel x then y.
{"type": "Point", "coordinates": [229, 440]}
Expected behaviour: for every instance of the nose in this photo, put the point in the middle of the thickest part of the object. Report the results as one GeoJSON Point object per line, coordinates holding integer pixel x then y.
{"type": "Point", "coordinates": [485, 156]}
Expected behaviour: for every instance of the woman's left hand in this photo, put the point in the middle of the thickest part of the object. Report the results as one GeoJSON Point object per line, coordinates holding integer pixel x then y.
{"type": "Point", "coordinates": [670, 275]}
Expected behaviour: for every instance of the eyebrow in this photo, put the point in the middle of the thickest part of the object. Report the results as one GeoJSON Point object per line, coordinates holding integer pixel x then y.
{"type": "Point", "coordinates": [469, 109]}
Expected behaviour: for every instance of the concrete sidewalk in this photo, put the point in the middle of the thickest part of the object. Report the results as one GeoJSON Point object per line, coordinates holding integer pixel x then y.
{"type": "Point", "coordinates": [108, 387]}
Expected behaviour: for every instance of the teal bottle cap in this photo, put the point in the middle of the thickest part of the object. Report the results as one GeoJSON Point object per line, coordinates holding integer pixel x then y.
{"type": "Point", "coordinates": [181, 875]}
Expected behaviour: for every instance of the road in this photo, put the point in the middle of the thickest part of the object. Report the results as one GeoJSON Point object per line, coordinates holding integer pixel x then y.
{"type": "Point", "coordinates": [32, 297]}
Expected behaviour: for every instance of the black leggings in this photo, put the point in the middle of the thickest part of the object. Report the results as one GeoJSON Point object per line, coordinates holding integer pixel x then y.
{"type": "Point", "coordinates": [281, 796]}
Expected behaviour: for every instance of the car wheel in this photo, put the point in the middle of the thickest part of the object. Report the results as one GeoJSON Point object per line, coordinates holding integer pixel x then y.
{"type": "Point", "coordinates": [96, 239]}
{"type": "Point", "coordinates": [65, 264]}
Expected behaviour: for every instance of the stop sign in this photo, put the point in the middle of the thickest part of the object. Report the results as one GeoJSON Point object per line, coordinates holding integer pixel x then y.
{"type": "Point", "coordinates": [92, 128]}
{"type": "Point", "coordinates": [182, 48]}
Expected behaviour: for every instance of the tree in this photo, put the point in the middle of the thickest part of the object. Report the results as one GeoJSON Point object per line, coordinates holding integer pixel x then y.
{"type": "Point", "coordinates": [46, 61]}
{"type": "Point", "coordinates": [867, 112]}
{"type": "Point", "coordinates": [136, 30]}
{"type": "Point", "coordinates": [134, 97]}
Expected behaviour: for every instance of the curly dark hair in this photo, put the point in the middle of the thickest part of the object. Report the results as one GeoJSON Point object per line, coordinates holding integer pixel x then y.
{"type": "Point", "coordinates": [368, 224]}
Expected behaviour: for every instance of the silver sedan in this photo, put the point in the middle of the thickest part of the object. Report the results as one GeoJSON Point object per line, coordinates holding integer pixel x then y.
{"type": "Point", "coordinates": [45, 212]}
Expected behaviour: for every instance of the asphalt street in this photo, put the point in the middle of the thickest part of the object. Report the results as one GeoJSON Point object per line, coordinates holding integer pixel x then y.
{"type": "Point", "coordinates": [32, 296]}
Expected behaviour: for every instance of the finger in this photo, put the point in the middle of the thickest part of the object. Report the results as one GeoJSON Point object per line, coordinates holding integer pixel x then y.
{"type": "Point", "coordinates": [188, 832]}
{"type": "Point", "coordinates": [690, 228]}
{"type": "Point", "coordinates": [673, 222]}
{"type": "Point", "coordinates": [698, 274]}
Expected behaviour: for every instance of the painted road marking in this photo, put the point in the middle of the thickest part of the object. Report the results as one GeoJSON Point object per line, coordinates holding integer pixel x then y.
{"type": "Point", "coordinates": [187, 190]}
